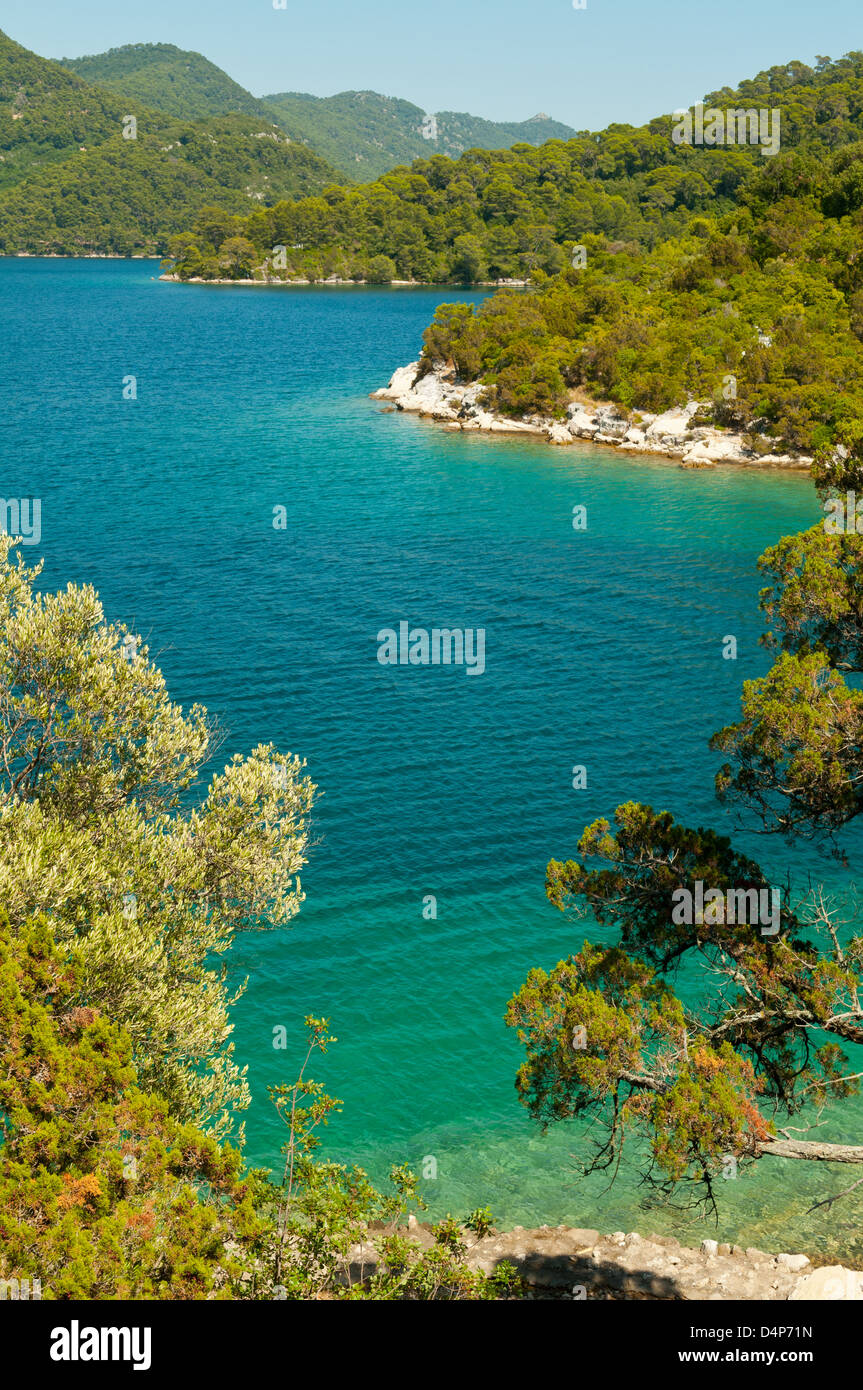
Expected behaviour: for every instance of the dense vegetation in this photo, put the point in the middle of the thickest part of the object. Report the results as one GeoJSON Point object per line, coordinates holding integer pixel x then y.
{"type": "Point", "coordinates": [70, 183]}
{"type": "Point", "coordinates": [752, 303]}
{"type": "Point", "coordinates": [99, 1182]}
{"type": "Point", "coordinates": [757, 314]}
{"type": "Point", "coordinates": [704, 273]}
{"type": "Point", "coordinates": [105, 1194]}
{"type": "Point", "coordinates": [496, 214]}
{"type": "Point", "coordinates": [522, 209]}
{"type": "Point", "coordinates": [127, 196]}
{"type": "Point", "coordinates": [607, 1037]}
{"type": "Point", "coordinates": [165, 78]}
{"type": "Point", "coordinates": [366, 135]}
{"type": "Point", "coordinates": [118, 1088]}
{"type": "Point", "coordinates": [47, 113]}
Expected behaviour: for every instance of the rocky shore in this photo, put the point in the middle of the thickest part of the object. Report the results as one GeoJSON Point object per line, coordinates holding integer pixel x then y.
{"type": "Point", "coordinates": [440, 395]}
{"type": "Point", "coordinates": [273, 283]}
{"type": "Point", "coordinates": [269, 281]}
{"type": "Point", "coordinates": [562, 1262]}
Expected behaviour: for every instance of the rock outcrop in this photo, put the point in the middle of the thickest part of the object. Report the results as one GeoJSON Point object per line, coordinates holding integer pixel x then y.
{"type": "Point", "coordinates": [626, 1266]}
{"type": "Point", "coordinates": [563, 1262]}
{"type": "Point", "coordinates": [440, 395]}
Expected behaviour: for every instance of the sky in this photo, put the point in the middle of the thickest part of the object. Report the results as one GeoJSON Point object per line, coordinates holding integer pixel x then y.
{"type": "Point", "coordinates": [614, 60]}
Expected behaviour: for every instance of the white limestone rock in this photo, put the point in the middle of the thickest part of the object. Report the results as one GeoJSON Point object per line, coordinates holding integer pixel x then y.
{"type": "Point", "coordinates": [401, 383]}
{"type": "Point", "coordinates": [582, 424]}
{"type": "Point", "coordinates": [458, 405]}
{"type": "Point", "coordinates": [672, 424]}
{"type": "Point", "coordinates": [832, 1282]}
{"type": "Point", "coordinates": [559, 434]}
{"type": "Point", "coordinates": [795, 1262]}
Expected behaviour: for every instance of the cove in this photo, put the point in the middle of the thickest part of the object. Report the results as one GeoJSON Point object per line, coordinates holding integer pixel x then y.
{"type": "Point", "coordinates": [607, 657]}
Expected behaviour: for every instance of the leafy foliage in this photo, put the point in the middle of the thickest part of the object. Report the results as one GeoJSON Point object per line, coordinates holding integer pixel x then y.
{"type": "Point", "coordinates": [605, 1032]}
{"type": "Point", "coordinates": [118, 1084]}
{"type": "Point", "coordinates": [795, 756]}
{"type": "Point", "coordinates": [99, 831]}
{"type": "Point", "coordinates": [103, 1193]}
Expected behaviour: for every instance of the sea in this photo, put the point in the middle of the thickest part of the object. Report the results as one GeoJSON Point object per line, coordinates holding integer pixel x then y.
{"type": "Point", "coordinates": [165, 428]}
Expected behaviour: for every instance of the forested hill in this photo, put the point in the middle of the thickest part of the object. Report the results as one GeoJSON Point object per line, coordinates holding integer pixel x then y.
{"type": "Point", "coordinates": [511, 213]}
{"type": "Point", "coordinates": [660, 271]}
{"type": "Point", "coordinates": [169, 79]}
{"type": "Point", "coordinates": [753, 310]}
{"type": "Point", "coordinates": [72, 183]}
{"type": "Point", "coordinates": [362, 134]}
{"type": "Point", "coordinates": [47, 112]}
{"type": "Point", "coordinates": [366, 134]}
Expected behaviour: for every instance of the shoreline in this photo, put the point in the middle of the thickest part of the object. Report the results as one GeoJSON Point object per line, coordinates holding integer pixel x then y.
{"type": "Point", "coordinates": [337, 281]}
{"type": "Point", "coordinates": [568, 1263]}
{"type": "Point", "coordinates": [271, 283]}
{"type": "Point", "coordinates": [441, 396]}
{"type": "Point", "coordinates": [84, 256]}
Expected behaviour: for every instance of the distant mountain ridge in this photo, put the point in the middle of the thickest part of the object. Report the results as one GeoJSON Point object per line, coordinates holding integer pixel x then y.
{"type": "Point", "coordinates": [71, 182]}
{"type": "Point", "coordinates": [362, 134]}
{"type": "Point", "coordinates": [46, 113]}
{"type": "Point", "coordinates": [169, 79]}
{"type": "Point", "coordinates": [366, 134]}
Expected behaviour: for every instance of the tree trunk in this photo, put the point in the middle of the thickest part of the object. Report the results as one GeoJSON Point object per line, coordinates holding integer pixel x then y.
{"type": "Point", "coordinates": [798, 1148]}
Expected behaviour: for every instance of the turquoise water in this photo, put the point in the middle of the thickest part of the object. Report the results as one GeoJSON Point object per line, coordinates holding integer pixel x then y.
{"type": "Point", "coordinates": [603, 649]}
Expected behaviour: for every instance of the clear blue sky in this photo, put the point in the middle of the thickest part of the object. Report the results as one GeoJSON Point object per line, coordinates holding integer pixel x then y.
{"type": "Point", "coordinates": [505, 59]}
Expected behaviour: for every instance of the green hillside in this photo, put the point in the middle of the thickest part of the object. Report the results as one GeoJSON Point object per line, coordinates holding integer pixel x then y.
{"type": "Point", "coordinates": [365, 134]}
{"type": "Point", "coordinates": [697, 264]}
{"type": "Point", "coordinates": [70, 182]}
{"type": "Point", "coordinates": [754, 309]}
{"type": "Point", "coordinates": [168, 79]}
{"type": "Point", "coordinates": [360, 133]}
{"type": "Point", "coordinates": [47, 112]}
{"type": "Point", "coordinates": [127, 196]}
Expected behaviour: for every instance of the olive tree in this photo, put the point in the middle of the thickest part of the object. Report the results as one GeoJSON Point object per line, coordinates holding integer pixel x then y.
{"type": "Point", "coordinates": [106, 829]}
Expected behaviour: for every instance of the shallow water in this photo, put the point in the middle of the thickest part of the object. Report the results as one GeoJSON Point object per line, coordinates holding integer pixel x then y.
{"type": "Point", "coordinates": [604, 648]}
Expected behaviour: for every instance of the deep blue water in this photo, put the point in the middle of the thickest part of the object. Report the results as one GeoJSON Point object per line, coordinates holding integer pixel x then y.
{"type": "Point", "coordinates": [603, 648]}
